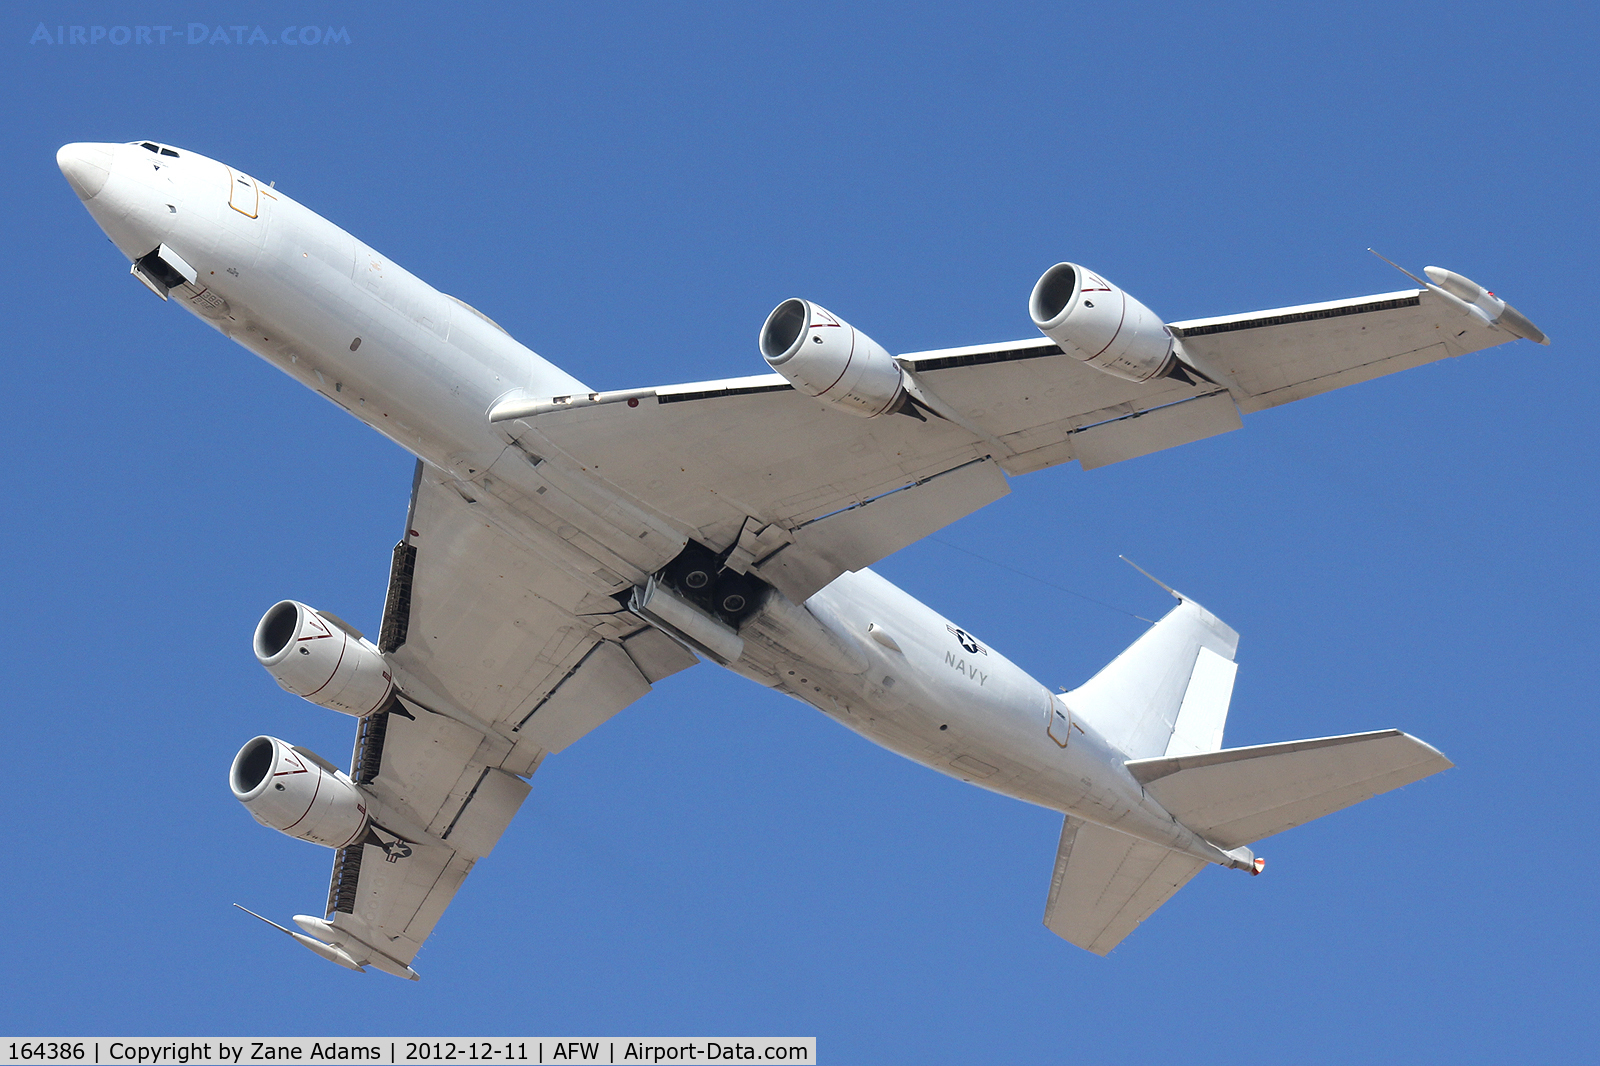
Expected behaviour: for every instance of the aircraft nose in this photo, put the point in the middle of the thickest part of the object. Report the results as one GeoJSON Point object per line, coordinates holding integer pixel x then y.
{"type": "Point", "coordinates": [86, 167]}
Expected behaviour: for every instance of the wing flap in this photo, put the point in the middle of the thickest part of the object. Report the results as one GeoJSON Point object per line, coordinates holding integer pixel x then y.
{"type": "Point", "coordinates": [657, 655]}
{"type": "Point", "coordinates": [488, 623]}
{"type": "Point", "coordinates": [392, 895]}
{"type": "Point", "coordinates": [423, 766]}
{"type": "Point", "coordinates": [711, 455]}
{"type": "Point", "coordinates": [492, 628]}
{"type": "Point", "coordinates": [1154, 430]}
{"type": "Point", "coordinates": [1045, 407]}
{"type": "Point", "coordinates": [601, 684]}
{"type": "Point", "coordinates": [1105, 883]}
{"type": "Point", "coordinates": [1015, 386]}
{"type": "Point", "coordinates": [435, 897]}
{"type": "Point", "coordinates": [487, 812]}
{"type": "Point", "coordinates": [861, 535]}
{"type": "Point", "coordinates": [1237, 796]}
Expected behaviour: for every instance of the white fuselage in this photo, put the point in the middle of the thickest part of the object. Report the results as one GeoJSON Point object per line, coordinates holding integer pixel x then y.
{"type": "Point", "coordinates": [299, 292]}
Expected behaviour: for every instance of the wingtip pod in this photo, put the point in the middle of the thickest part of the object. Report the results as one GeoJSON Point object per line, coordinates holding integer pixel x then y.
{"type": "Point", "coordinates": [351, 946]}
{"type": "Point", "coordinates": [1493, 309]}
{"type": "Point", "coordinates": [328, 951]}
{"type": "Point", "coordinates": [1513, 320]}
{"type": "Point", "coordinates": [1456, 285]}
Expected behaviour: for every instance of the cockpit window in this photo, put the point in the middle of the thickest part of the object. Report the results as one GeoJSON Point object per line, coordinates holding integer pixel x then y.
{"type": "Point", "coordinates": [150, 147]}
{"type": "Point", "coordinates": [159, 149]}
{"type": "Point", "coordinates": [169, 151]}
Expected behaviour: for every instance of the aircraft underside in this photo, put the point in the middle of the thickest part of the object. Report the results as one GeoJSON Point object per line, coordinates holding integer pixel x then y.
{"type": "Point", "coordinates": [565, 548]}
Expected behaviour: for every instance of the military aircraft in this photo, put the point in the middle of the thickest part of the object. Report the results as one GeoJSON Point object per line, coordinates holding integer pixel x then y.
{"type": "Point", "coordinates": [565, 548]}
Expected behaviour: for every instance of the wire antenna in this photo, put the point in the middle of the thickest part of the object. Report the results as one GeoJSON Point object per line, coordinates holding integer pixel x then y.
{"type": "Point", "coordinates": [1040, 580]}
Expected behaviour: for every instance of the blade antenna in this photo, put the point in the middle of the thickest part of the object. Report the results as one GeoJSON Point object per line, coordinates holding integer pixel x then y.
{"type": "Point", "coordinates": [1400, 268]}
{"type": "Point", "coordinates": [1175, 593]}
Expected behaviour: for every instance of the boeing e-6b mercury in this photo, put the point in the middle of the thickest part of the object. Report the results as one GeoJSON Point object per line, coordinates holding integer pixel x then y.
{"type": "Point", "coordinates": [564, 549]}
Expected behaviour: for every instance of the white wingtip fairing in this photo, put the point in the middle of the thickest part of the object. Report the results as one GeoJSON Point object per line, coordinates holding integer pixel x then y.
{"type": "Point", "coordinates": [1476, 298]}
{"type": "Point", "coordinates": [328, 951]}
{"type": "Point", "coordinates": [354, 946]}
{"type": "Point", "coordinates": [1494, 310]}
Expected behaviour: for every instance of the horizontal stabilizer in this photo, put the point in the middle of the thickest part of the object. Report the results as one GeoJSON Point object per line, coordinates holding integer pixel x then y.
{"type": "Point", "coordinates": [1240, 795]}
{"type": "Point", "coordinates": [1106, 883]}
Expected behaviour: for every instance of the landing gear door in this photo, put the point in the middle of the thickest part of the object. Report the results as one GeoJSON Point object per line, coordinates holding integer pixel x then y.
{"type": "Point", "coordinates": [244, 196]}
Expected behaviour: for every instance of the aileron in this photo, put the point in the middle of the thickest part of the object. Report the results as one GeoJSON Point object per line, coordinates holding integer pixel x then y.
{"type": "Point", "coordinates": [1285, 316]}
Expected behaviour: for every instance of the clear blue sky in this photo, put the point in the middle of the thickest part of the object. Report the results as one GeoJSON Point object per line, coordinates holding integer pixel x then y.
{"type": "Point", "coordinates": [629, 190]}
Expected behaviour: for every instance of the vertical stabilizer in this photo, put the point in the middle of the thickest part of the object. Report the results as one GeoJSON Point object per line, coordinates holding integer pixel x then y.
{"type": "Point", "coordinates": [1168, 693]}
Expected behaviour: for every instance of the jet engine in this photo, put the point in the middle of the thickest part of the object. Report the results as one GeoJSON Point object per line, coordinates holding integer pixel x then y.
{"type": "Point", "coordinates": [1093, 320]}
{"type": "Point", "coordinates": [297, 794]}
{"type": "Point", "coordinates": [824, 356]}
{"type": "Point", "coordinates": [321, 658]}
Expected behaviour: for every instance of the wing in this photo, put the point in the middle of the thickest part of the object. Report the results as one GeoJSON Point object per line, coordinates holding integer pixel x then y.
{"type": "Point", "coordinates": [750, 464]}
{"type": "Point", "coordinates": [799, 493]}
{"type": "Point", "coordinates": [1105, 883]}
{"type": "Point", "coordinates": [500, 656]}
{"type": "Point", "coordinates": [1046, 408]}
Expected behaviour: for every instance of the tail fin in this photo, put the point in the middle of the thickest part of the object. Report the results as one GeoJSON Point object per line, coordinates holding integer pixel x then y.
{"type": "Point", "coordinates": [1106, 882]}
{"type": "Point", "coordinates": [1168, 693]}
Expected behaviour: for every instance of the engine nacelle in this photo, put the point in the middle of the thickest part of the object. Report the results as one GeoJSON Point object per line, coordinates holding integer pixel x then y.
{"type": "Point", "coordinates": [320, 658]}
{"type": "Point", "coordinates": [1093, 320]}
{"type": "Point", "coordinates": [824, 356]}
{"type": "Point", "coordinates": [285, 790]}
